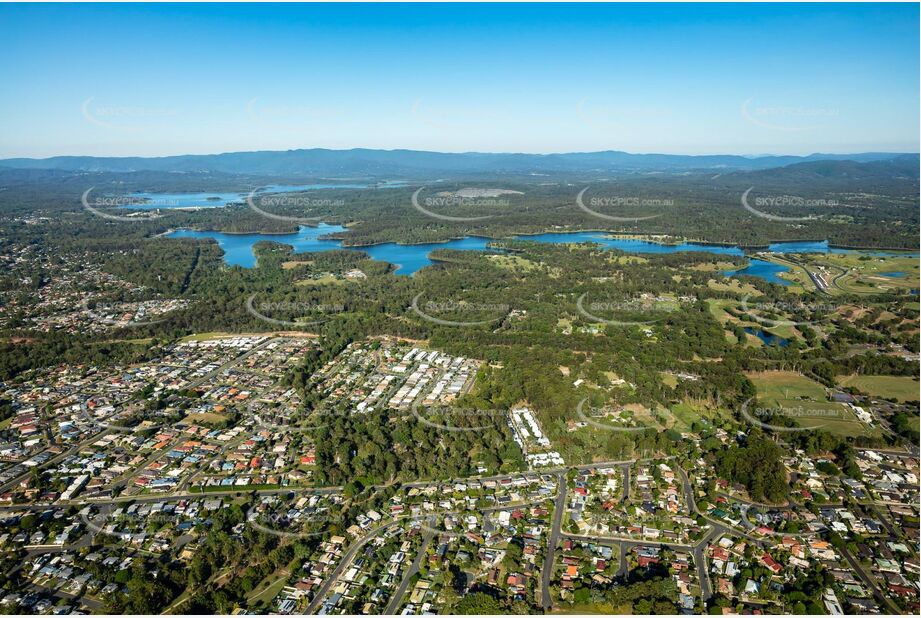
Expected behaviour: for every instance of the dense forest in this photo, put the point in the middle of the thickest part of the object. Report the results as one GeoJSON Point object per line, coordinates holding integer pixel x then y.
{"type": "Point", "coordinates": [868, 204]}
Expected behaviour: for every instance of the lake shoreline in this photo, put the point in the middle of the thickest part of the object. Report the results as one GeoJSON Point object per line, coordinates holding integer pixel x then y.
{"type": "Point", "coordinates": [657, 239]}
{"type": "Point", "coordinates": [408, 258]}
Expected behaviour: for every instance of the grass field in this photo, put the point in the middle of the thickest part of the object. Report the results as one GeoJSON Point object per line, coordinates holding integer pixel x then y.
{"type": "Point", "coordinates": [512, 262]}
{"type": "Point", "coordinates": [734, 286]}
{"type": "Point", "coordinates": [805, 401]}
{"type": "Point", "coordinates": [718, 309]}
{"type": "Point", "coordinates": [668, 379]}
{"type": "Point", "coordinates": [902, 388]}
{"type": "Point", "coordinates": [685, 415]}
{"type": "Point", "coordinates": [141, 341]}
{"type": "Point", "coordinates": [516, 263]}
{"type": "Point", "coordinates": [627, 259]}
{"type": "Point", "coordinates": [786, 385]}
{"type": "Point", "coordinates": [872, 266]}
{"type": "Point", "coordinates": [860, 283]}
{"type": "Point", "coordinates": [269, 588]}
{"type": "Point", "coordinates": [207, 336]}
{"type": "Point", "coordinates": [327, 279]}
{"type": "Point", "coordinates": [589, 609]}
{"type": "Point", "coordinates": [857, 273]}
{"type": "Point", "coordinates": [295, 264]}
{"type": "Point", "coordinates": [787, 331]}
{"type": "Point", "coordinates": [206, 417]}
{"type": "Point", "coordinates": [713, 266]}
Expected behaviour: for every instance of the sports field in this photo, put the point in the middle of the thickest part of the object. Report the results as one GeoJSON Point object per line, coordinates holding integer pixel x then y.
{"type": "Point", "coordinates": [901, 388]}
{"type": "Point", "coordinates": [805, 401]}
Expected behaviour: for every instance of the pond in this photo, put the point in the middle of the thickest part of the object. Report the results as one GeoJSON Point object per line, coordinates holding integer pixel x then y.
{"type": "Point", "coordinates": [766, 337]}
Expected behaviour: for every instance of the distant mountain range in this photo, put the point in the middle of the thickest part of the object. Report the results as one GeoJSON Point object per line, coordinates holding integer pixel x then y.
{"type": "Point", "coordinates": [361, 162]}
{"type": "Point", "coordinates": [900, 167]}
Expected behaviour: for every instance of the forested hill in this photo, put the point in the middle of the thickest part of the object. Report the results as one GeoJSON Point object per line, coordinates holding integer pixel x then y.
{"type": "Point", "coordinates": [414, 163]}
{"type": "Point", "coordinates": [902, 167]}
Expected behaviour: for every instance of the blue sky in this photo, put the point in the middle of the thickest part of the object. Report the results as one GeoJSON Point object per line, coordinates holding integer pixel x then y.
{"type": "Point", "coordinates": [695, 79]}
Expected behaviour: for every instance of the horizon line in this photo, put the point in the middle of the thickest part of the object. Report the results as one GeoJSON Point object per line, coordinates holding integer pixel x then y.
{"type": "Point", "coordinates": [468, 152]}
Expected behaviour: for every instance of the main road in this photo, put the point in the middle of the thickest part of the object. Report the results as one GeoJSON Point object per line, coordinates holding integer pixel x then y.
{"type": "Point", "coordinates": [882, 598]}
{"type": "Point", "coordinates": [552, 540]}
{"type": "Point", "coordinates": [192, 495]}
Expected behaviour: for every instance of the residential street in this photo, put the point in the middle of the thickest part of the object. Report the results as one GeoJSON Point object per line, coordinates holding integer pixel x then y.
{"type": "Point", "coordinates": [394, 603]}
{"type": "Point", "coordinates": [553, 540]}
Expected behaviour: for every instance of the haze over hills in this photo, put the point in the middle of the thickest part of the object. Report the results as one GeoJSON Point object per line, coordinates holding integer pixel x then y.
{"type": "Point", "coordinates": [900, 167]}
{"type": "Point", "coordinates": [384, 163]}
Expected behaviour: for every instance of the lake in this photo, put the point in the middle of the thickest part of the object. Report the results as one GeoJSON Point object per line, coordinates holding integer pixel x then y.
{"type": "Point", "coordinates": [238, 248]}
{"type": "Point", "coordinates": [756, 268]}
{"type": "Point", "coordinates": [219, 200]}
{"type": "Point", "coordinates": [769, 271]}
{"type": "Point", "coordinates": [630, 245]}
